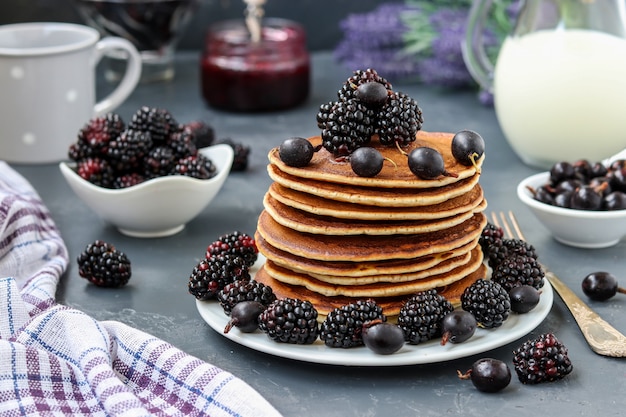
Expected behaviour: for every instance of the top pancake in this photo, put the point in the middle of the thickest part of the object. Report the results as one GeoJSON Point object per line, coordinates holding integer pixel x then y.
{"type": "Point", "coordinates": [325, 167]}
{"type": "Point", "coordinates": [372, 196]}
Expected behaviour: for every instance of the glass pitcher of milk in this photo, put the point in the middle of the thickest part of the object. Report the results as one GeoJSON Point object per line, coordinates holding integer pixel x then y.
{"type": "Point", "coordinates": [559, 81]}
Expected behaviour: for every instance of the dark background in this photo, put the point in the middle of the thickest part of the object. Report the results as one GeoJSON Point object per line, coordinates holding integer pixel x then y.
{"type": "Point", "coordinates": [319, 17]}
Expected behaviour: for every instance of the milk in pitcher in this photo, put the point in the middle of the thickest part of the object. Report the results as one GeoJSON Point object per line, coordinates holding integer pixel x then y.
{"type": "Point", "coordinates": [557, 88]}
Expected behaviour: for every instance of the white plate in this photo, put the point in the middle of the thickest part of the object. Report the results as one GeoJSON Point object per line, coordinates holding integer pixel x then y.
{"type": "Point", "coordinates": [515, 327]}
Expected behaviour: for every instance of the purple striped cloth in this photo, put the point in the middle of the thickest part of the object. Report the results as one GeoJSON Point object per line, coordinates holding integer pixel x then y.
{"type": "Point", "coordinates": [55, 360]}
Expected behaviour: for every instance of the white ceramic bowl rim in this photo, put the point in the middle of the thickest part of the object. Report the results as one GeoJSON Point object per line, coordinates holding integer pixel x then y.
{"type": "Point", "coordinates": [535, 181]}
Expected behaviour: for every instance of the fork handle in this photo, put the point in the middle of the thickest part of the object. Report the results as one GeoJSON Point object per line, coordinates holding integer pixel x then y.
{"type": "Point", "coordinates": [603, 338]}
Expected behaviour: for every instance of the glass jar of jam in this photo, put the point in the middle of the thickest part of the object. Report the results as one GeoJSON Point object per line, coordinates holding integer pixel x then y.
{"type": "Point", "coordinates": [239, 74]}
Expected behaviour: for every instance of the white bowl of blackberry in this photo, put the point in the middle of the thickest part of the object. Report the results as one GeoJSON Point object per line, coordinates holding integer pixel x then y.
{"type": "Point", "coordinates": [582, 203]}
{"type": "Point", "coordinates": [148, 178]}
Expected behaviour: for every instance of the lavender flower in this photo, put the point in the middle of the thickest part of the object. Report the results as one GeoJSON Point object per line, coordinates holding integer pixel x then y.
{"type": "Point", "coordinates": [376, 40]}
{"type": "Point", "coordinates": [418, 39]}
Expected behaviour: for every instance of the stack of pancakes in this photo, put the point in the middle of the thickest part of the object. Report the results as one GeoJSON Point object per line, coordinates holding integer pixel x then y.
{"type": "Point", "coordinates": [332, 237]}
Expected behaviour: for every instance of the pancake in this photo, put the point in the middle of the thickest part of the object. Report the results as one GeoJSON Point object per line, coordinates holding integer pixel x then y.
{"type": "Point", "coordinates": [370, 248]}
{"type": "Point", "coordinates": [390, 305]}
{"type": "Point", "coordinates": [332, 237]}
{"type": "Point", "coordinates": [442, 267]}
{"type": "Point", "coordinates": [380, 289]}
{"type": "Point", "coordinates": [372, 196]}
{"type": "Point", "coordinates": [348, 269]}
{"type": "Point", "coordinates": [323, 225]}
{"type": "Point", "coordinates": [343, 210]}
{"type": "Point", "coordinates": [325, 167]}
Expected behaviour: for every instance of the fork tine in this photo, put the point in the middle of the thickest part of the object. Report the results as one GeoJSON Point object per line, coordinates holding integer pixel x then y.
{"type": "Point", "coordinates": [504, 224]}
{"type": "Point", "coordinates": [515, 225]}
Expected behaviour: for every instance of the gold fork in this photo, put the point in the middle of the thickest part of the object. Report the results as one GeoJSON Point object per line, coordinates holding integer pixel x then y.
{"type": "Point", "coordinates": [603, 338]}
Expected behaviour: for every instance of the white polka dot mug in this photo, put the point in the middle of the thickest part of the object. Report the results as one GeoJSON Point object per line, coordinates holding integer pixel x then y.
{"type": "Point", "coordinates": [48, 87]}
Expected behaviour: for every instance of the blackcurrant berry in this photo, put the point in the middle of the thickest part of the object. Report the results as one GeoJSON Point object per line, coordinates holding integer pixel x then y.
{"type": "Point", "coordinates": [372, 94]}
{"type": "Point", "coordinates": [601, 286]}
{"type": "Point", "coordinates": [468, 147]}
{"type": "Point", "coordinates": [383, 338]}
{"type": "Point", "coordinates": [563, 199]}
{"type": "Point", "coordinates": [543, 195]}
{"type": "Point", "coordinates": [296, 152]}
{"type": "Point", "coordinates": [561, 171]}
{"type": "Point", "coordinates": [586, 198]}
{"type": "Point", "coordinates": [568, 186]}
{"type": "Point", "coordinates": [457, 327]}
{"type": "Point", "coordinates": [598, 169]}
{"type": "Point", "coordinates": [426, 163]}
{"type": "Point", "coordinates": [245, 316]}
{"type": "Point", "coordinates": [523, 298]}
{"type": "Point", "coordinates": [614, 201]}
{"type": "Point", "coordinates": [366, 161]}
{"type": "Point", "coordinates": [582, 169]}
{"type": "Point", "coordinates": [488, 375]}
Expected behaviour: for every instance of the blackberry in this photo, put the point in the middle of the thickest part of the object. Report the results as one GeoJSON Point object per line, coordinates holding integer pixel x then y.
{"type": "Point", "coordinates": [322, 114]}
{"type": "Point", "coordinates": [518, 270]}
{"type": "Point", "coordinates": [290, 320]}
{"type": "Point", "coordinates": [127, 180]}
{"type": "Point", "coordinates": [158, 122]}
{"type": "Point", "coordinates": [421, 315]}
{"type": "Point", "coordinates": [399, 120]}
{"type": "Point", "coordinates": [97, 171]}
{"type": "Point", "coordinates": [348, 126]}
{"type": "Point", "coordinates": [343, 326]}
{"type": "Point", "coordinates": [103, 265]}
{"type": "Point", "coordinates": [80, 150]}
{"type": "Point", "coordinates": [348, 89]}
{"type": "Point", "coordinates": [489, 235]}
{"type": "Point", "coordinates": [182, 143]}
{"type": "Point", "coordinates": [236, 244]}
{"type": "Point", "coordinates": [500, 249]}
{"type": "Point", "coordinates": [543, 359]}
{"type": "Point", "coordinates": [210, 276]}
{"type": "Point", "coordinates": [99, 131]}
{"type": "Point", "coordinates": [126, 153]}
{"type": "Point", "coordinates": [244, 290]}
{"type": "Point", "coordinates": [240, 161]}
{"type": "Point", "coordinates": [488, 301]}
{"type": "Point", "coordinates": [197, 166]}
{"type": "Point", "coordinates": [203, 133]}
{"type": "Point", "coordinates": [159, 161]}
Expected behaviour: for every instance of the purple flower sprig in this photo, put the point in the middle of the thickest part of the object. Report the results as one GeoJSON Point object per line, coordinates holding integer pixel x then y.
{"type": "Point", "coordinates": [376, 40]}
{"type": "Point", "coordinates": [419, 39]}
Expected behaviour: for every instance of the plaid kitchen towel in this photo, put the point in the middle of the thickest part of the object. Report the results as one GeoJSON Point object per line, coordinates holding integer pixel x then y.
{"type": "Point", "coordinates": [56, 361]}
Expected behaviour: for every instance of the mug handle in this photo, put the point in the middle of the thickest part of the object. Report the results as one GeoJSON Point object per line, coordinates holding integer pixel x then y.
{"type": "Point", "coordinates": [473, 48]}
{"type": "Point", "coordinates": [130, 79]}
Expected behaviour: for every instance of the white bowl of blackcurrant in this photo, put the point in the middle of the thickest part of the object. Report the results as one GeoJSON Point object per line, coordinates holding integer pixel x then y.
{"type": "Point", "coordinates": [581, 204]}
